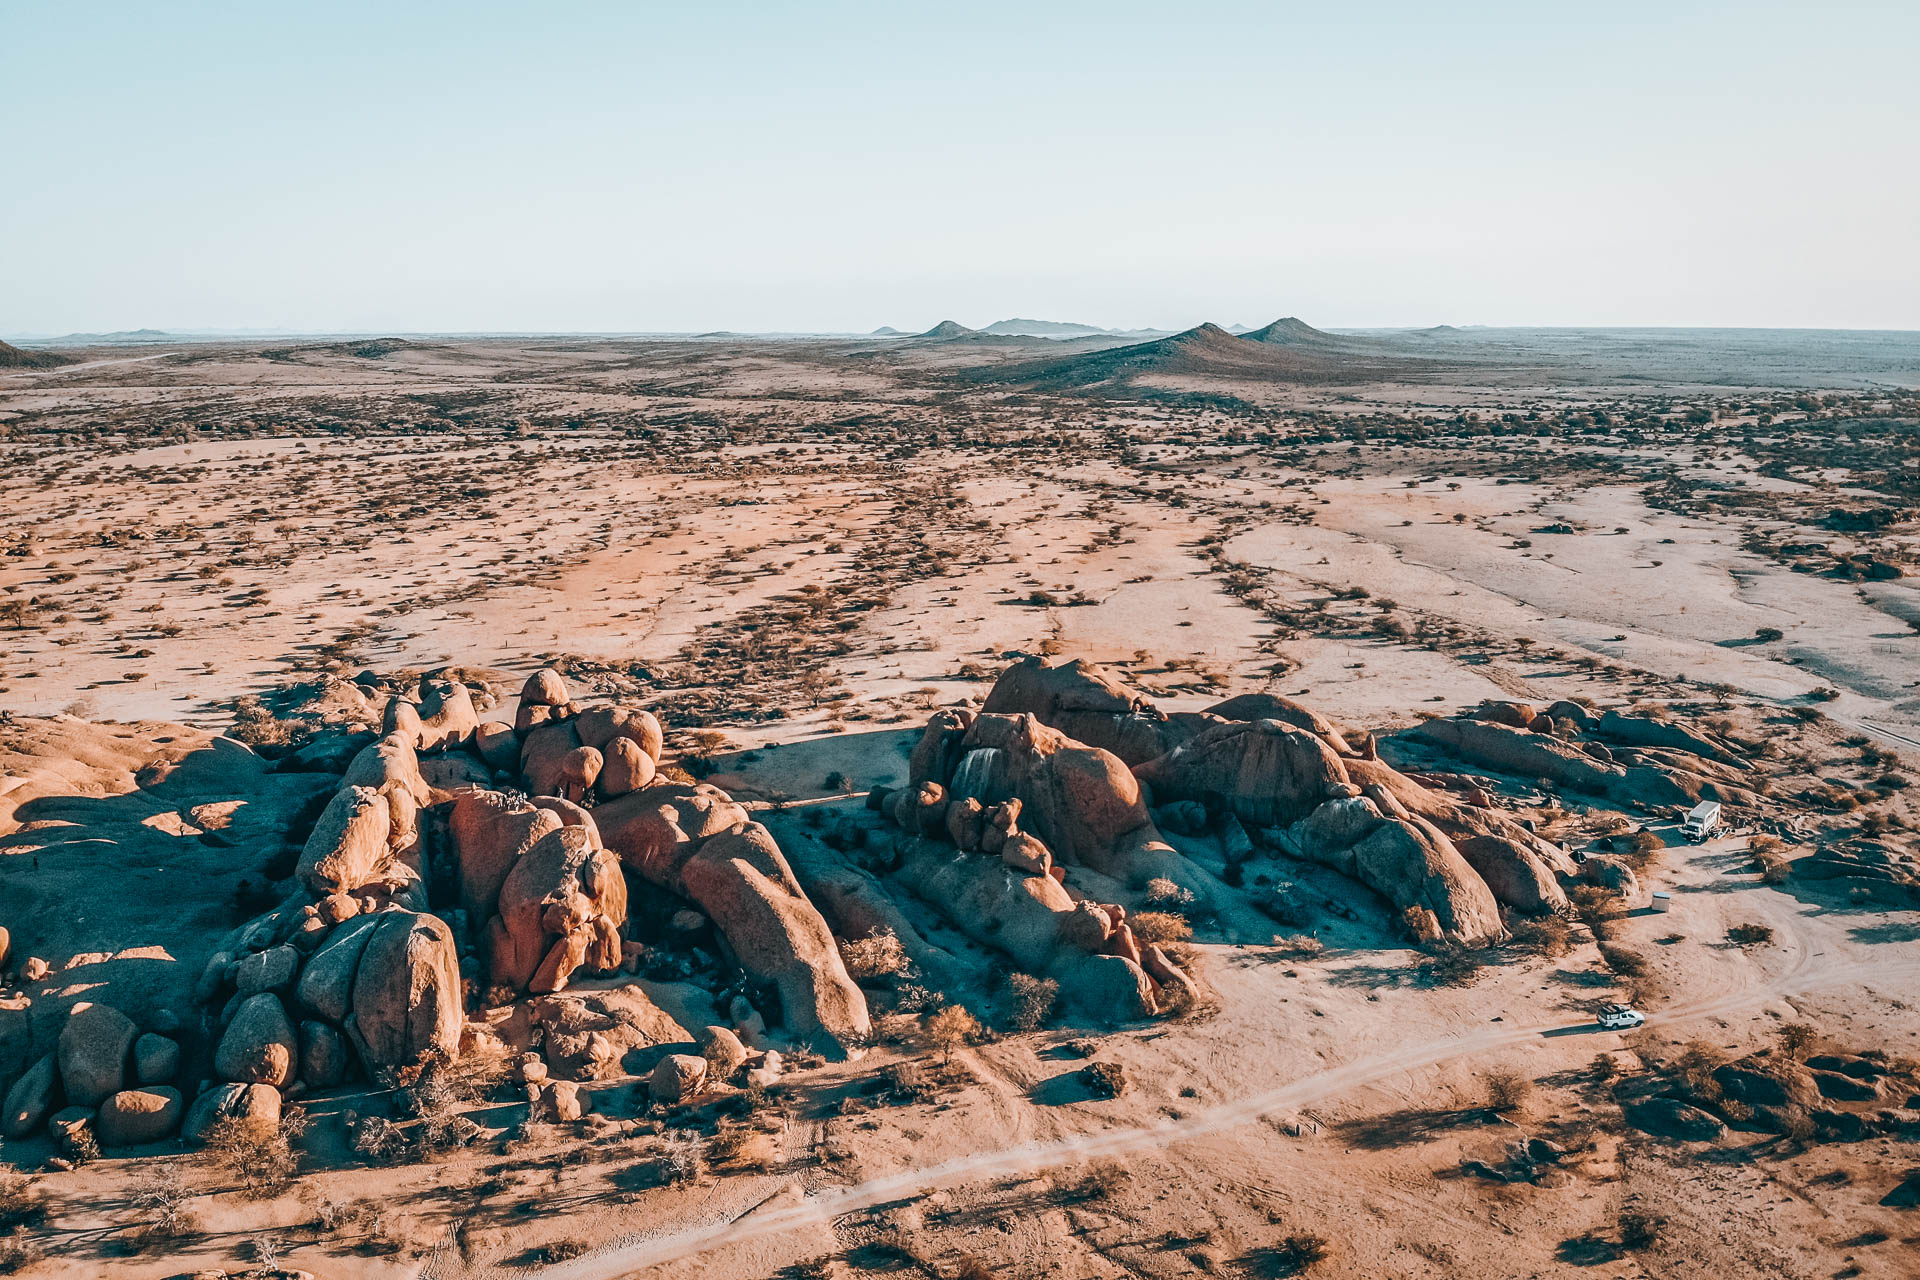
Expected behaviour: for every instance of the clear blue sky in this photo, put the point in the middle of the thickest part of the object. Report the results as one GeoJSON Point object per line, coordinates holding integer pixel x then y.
{"type": "Point", "coordinates": [418, 166]}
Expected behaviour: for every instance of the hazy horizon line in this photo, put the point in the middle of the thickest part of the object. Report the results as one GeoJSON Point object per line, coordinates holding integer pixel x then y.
{"type": "Point", "coordinates": [208, 333]}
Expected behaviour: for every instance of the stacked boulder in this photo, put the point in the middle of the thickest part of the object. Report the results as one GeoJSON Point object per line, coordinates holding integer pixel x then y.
{"type": "Point", "coordinates": [542, 868]}
{"type": "Point", "coordinates": [1259, 762]}
{"type": "Point", "coordinates": [352, 969]}
{"type": "Point", "coordinates": [105, 1083]}
{"type": "Point", "coordinates": [1031, 800]}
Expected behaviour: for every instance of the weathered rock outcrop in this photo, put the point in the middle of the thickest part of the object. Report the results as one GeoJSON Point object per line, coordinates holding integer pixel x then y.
{"type": "Point", "coordinates": [1265, 772]}
{"type": "Point", "coordinates": [406, 991]}
{"type": "Point", "coordinates": [491, 832]}
{"type": "Point", "coordinates": [560, 910]}
{"type": "Point", "coordinates": [594, 1034]}
{"type": "Point", "coordinates": [741, 880]}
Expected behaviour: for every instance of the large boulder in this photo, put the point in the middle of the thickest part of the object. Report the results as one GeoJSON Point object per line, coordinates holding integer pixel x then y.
{"type": "Point", "coordinates": [406, 992]}
{"type": "Point", "coordinates": [271, 970]}
{"type": "Point", "coordinates": [349, 842]}
{"type": "Point", "coordinates": [389, 764]}
{"type": "Point", "coordinates": [1404, 858]}
{"type": "Point", "coordinates": [498, 745]}
{"type": "Point", "coordinates": [33, 1097]}
{"type": "Point", "coordinates": [136, 1117]}
{"type": "Point", "coordinates": [1089, 704]}
{"type": "Point", "coordinates": [545, 754]}
{"type": "Point", "coordinates": [560, 909]}
{"type": "Point", "coordinates": [1517, 875]}
{"type": "Point", "coordinates": [259, 1046]}
{"type": "Point", "coordinates": [252, 1106]}
{"type": "Point", "coordinates": [1271, 706]}
{"type": "Point", "coordinates": [1080, 800]}
{"type": "Point", "coordinates": [1266, 772]}
{"type": "Point", "coordinates": [722, 1050]}
{"type": "Point", "coordinates": [1639, 731]}
{"type": "Point", "coordinates": [743, 883]}
{"type": "Point", "coordinates": [326, 985]}
{"type": "Point", "coordinates": [94, 1047]}
{"type": "Point", "coordinates": [448, 718]}
{"type": "Point", "coordinates": [324, 1056]}
{"type": "Point", "coordinates": [491, 832]}
{"type": "Point", "coordinates": [657, 828]}
{"type": "Point", "coordinates": [625, 767]}
{"type": "Point", "coordinates": [1519, 752]}
{"type": "Point", "coordinates": [578, 771]}
{"type": "Point", "coordinates": [16, 1037]}
{"type": "Point", "coordinates": [544, 688]}
{"type": "Point", "coordinates": [677, 1078]}
{"type": "Point", "coordinates": [599, 727]}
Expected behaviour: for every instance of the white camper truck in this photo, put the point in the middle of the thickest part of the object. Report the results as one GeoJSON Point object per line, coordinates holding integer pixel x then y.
{"type": "Point", "coordinates": [1702, 822]}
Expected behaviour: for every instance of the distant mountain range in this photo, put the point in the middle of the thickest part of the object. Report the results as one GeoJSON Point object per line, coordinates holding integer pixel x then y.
{"type": "Point", "coordinates": [1288, 350]}
{"type": "Point", "coordinates": [1056, 330]}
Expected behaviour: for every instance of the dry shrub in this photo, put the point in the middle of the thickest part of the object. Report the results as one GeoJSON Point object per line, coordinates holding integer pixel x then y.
{"type": "Point", "coordinates": [949, 1029]}
{"type": "Point", "coordinates": [1293, 1256]}
{"type": "Point", "coordinates": [1624, 961]}
{"type": "Point", "coordinates": [1167, 895]}
{"type": "Point", "coordinates": [1550, 937]}
{"type": "Point", "coordinates": [1104, 1079]}
{"type": "Point", "coordinates": [1030, 1001]}
{"type": "Point", "coordinates": [878, 955]}
{"type": "Point", "coordinates": [263, 1159]}
{"type": "Point", "coordinates": [1159, 928]}
{"type": "Point", "coordinates": [1298, 946]}
{"type": "Point", "coordinates": [1507, 1090]}
{"type": "Point", "coordinates": [1750, 934]}
{"type": "Point", "coordinates": [20, 1204]}
{"type": "Point", "coordinates": [18, 1253]}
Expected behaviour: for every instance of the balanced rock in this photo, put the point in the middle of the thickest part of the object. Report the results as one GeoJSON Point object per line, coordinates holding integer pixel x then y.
{"type": "Point", "coordinates": [544, 688]}
{"type": "Point", "coordinates": [599, 727]}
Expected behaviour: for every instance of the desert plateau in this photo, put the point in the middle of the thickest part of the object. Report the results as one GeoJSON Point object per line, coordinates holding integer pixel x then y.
{"type": "Point", "coordinates": [1003, 802]}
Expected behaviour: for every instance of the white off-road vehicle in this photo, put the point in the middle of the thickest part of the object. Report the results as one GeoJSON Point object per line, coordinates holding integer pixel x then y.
{"type": "Point", "coordinates": [1620, 1017]}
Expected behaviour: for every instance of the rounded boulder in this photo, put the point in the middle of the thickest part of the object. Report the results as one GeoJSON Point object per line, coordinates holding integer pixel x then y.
{"type": "Point", "coordinates": [136, 1117]}
{"type": "Point", "coordinates": [259, 1046]}
{"type": "Point", "coordinates": [94, 1048]}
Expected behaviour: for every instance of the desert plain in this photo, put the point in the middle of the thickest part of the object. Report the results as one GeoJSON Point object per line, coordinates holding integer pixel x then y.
{"type": "Point", "coordinates": [1030, 679]}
